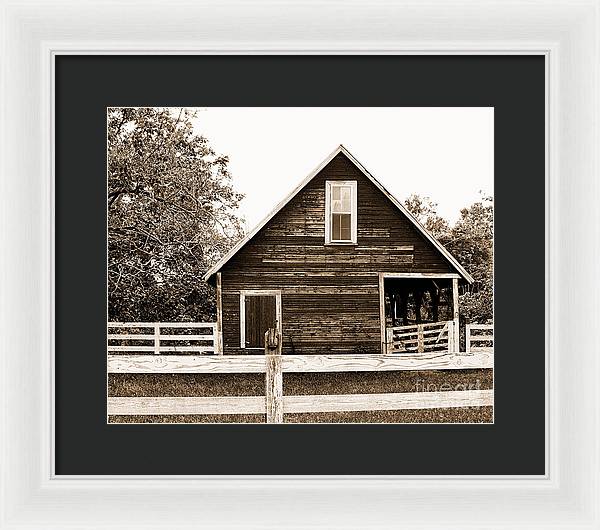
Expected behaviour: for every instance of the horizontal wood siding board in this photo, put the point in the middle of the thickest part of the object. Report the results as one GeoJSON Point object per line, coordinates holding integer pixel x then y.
{"type": "Point", "coordinates": [307, 317]}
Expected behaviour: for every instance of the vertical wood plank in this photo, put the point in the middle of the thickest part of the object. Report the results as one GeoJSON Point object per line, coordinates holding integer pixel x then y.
{"type": "Point", "coordinates": [450, 326]}
{"type": "Point", "coordinates": [273, 377]}
{"type": "Point", "coordinates": [435, 303]}
{"type": "Point", "coordinates": [468, 338]}
{"type": "Point", "coordinates": [157, 339]}
{"type": "Point", "coordinates": [389, 338]}
{"type": "Point", "coordinates": [242, 320]}
{"type": "Point", "coordinates": [382, 314]}
{"type": "Point", "coordinates": [418, 298]}
{"type": "Point", "coordinates": [279, 321]}
{"type": "Point", "coordinates": [455, 314]}
{"type": "Point", "coordinates": [327, 212]}
{"type": "Point", "coordinates": [218, 338]}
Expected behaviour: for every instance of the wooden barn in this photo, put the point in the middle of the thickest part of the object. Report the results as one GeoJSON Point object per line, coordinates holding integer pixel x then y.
{"type": "Point", "coordinates": [339, 266]}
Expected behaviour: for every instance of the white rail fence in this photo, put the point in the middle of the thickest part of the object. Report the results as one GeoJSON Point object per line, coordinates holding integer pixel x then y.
{"type": "Point", "coordinates": [131, 358]}
{"type": "Point", "coordinates": [162, 337]}
{"type": "Point", "coordinates": [479, 338]}
{"type": "Point", "coordinates": [274, 404]}
{"type": "Point", "coordinates": [420, 338]}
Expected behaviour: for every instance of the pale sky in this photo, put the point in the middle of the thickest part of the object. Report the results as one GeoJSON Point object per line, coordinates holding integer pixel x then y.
{"type": "Point", "coordinates": [444, 153]}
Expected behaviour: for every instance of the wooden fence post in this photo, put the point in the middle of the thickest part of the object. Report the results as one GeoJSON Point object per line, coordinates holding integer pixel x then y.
{"type": "Point", "coordinates": [420, 339]}
{"type": "Point", "coordinates": [455, 315]}
{"type": "Point", "coordinates": [274, 377]}
{"type": "Point", "coordinates": [468, 338]}
{"type": "Point", "coordinates": [389, 340]}
{"type": "Point", "coordinates": [218, 330]}
{"type": "Point", "coordinates": [156, 339]}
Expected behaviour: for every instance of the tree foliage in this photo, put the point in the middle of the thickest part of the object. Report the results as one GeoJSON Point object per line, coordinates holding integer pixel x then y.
{"type": "Point", "coordinates": [171, 214]}
{"type": "Point", "coordinates": [471, 242]}
{"type": "Point", "coordinates": [425, 212]}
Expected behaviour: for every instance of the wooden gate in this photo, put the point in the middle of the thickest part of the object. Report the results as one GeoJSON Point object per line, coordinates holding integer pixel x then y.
{"type": "Point", "coordinates": [421, 338]}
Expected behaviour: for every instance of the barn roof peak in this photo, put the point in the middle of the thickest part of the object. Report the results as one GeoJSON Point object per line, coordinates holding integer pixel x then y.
{"type": "Point", "coordinates": [340, 149]}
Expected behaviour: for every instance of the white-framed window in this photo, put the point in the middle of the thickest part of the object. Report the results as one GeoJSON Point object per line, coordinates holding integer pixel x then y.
{"type": "Point", "coordinates": [340, 211]}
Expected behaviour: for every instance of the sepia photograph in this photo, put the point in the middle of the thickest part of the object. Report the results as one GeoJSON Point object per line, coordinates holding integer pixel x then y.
{"type": "Point", "coordinates": [300, 265]}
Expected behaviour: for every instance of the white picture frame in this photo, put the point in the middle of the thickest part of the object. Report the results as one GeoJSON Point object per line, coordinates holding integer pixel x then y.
{"type": "Point", "coordinates": [32, 496]}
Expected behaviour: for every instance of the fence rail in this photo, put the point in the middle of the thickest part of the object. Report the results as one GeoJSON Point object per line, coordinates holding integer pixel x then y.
{"type": "Point", "coordinates": [297, 404]}
{"type": "Point", "coordinates": [480, 341]}
{"type": "Point", "coordinates": [247, 364]}
{"type": "Point", "coordinates": [165, 337]}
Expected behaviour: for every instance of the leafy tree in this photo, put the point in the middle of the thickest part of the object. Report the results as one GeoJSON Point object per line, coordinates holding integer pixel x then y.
{"type": "Point", "coordinates": [425, 210]}
{"type": "Point", "coordinates": [171, 214]}
{"type": "Point", "coordinates": [471, 242]}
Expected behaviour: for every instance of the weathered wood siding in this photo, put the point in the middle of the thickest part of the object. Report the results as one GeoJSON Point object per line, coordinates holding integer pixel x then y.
{"type": "Point", "coordinates": [330, 296]}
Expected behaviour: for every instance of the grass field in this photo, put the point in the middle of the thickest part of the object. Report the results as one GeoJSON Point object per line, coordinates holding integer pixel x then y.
{"type": "Point", "coordinates": [167, 385]}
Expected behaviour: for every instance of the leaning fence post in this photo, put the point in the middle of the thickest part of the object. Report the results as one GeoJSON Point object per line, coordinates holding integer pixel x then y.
{"type": "Point", "coordinates": [274, 377]}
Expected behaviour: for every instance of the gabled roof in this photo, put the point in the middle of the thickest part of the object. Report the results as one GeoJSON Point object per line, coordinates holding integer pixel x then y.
{"type": "Point", "coordinates": [341, 149]}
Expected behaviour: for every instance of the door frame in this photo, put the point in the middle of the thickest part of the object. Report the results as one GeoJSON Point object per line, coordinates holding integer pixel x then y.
{"type": "Point", "coordinates": [257, 292]}
{"type": "Point", "coordinates": [407, 275]}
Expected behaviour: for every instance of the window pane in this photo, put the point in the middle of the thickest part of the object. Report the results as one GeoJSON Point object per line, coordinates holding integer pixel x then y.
{"type": "Point", "coordinates": [346, 192]}
{"type": "Point", "coordinates": [341, 199]}
{"type": "Point", "coordinates": [335, 227]}
{"type": "Point", "coordinates": [345, 221]}
{"type": "Point", "coordinates": [341, 227]}
{"type": "Point", "coordinates": [345, 227]}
